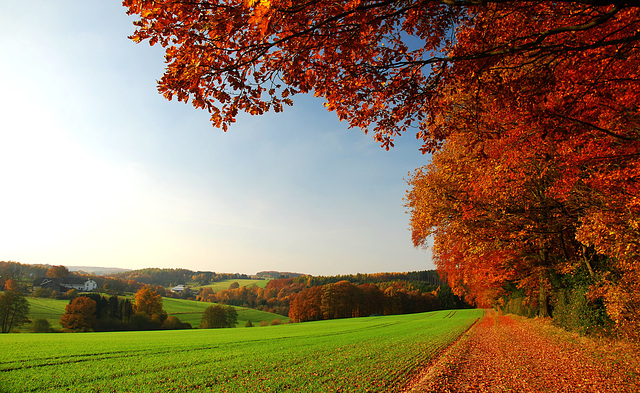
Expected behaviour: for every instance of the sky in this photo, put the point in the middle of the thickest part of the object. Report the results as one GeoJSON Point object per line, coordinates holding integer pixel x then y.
{"type": "Point", "coordinates": [98, 169]}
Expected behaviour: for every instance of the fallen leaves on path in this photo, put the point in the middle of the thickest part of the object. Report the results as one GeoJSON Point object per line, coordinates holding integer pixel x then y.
{"type": "Point", "coordinates": [505, 353]}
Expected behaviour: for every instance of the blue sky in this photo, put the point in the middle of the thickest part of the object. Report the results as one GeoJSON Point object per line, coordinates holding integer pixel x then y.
{"type": "Point", "coordinates": [97, 169]}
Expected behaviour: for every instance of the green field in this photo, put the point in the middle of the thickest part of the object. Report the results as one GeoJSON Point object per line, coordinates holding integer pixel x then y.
{"type": "Point", "coordinates": [224, 284]}
{"type": "Point", "coordinates": [186, 310]}
{"type": "Point", "coordinates": [372, 354]}
{"type": "Point", "coordinates": [191, 311]}
{"type": "Point", "coordinates": [49, 309]}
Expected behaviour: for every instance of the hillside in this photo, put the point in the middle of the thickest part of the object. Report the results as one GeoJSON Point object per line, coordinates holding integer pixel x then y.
{"type": "Point", "coordinates": [185, 310]}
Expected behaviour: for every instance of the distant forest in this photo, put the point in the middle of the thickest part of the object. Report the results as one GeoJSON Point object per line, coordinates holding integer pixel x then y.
{"type": "Point", "coordinates": [301, 297]}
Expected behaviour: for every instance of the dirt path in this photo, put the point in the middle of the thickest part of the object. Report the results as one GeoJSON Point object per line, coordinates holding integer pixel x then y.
{"type": "Point", "coordinates": [513, 354]}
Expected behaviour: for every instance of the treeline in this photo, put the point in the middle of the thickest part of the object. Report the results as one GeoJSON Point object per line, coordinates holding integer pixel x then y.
{"type": "Point", "coordinates": [275, 274]}
{"type": "Point", "coordinates": [366, 294]}
{"type": "Point", "coordinates": [173, 277]}
{"type": "Point", "coordinates": [10, 270]}
{"type": "Point", "coordinates": [422, 279]}
{"type": "Point", "coordinates": [94, 312]}
{"type": "Point", "coordinates": [346, 300]}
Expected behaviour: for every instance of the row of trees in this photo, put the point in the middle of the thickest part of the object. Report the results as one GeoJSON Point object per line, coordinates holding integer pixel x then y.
{"type": "Point", "coordinates": [172, 277]}
{"type": "Point", "coordinates": [346, 300]}
{"type": "Point", "coordinates": [534, 194]}
{"type": "Point", "coordinates": [367, 293]}
{"type": "Point", "coordinates": [93, 312]}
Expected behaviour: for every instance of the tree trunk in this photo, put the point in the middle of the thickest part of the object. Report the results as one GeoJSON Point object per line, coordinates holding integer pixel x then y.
{"type": "Point", "coordinates": [586, 261]}
{"type": "Point", "coordinates": [542, 299]}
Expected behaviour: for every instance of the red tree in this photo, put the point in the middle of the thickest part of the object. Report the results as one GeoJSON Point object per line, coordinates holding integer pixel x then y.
{"type": "Point", "coordinates": [79, 315]}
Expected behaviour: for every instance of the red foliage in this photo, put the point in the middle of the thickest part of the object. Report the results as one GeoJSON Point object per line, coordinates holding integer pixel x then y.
{"type": "Point", "coordinates": [79, 315]}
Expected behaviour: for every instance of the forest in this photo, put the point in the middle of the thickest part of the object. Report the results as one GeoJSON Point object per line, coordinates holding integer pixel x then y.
{"type": "Point", "coordinates": [307, 298]}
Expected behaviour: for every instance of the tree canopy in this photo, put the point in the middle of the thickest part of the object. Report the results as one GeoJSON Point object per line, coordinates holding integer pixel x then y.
{"type": "Point", "coordinates": [14, 310]}
{"type": "Point", "coordinates": [379, 64]}
{"type": "Point", "coordinates": [219, 316]}
{"type": "Point", "coordinates": [148, 301]}
{"type": "Point", "coordinates": [58, 271]}
{"type": "Point", "coordinates": [79, 315]}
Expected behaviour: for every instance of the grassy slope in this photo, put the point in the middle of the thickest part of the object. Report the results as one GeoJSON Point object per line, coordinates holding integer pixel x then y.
{"type": "Point", "coordinates": [49, 309]}
{"type": "Point", "coordinates": [191, 311]}
{"type": "Point", "coordinates": [186, 310]}
{"type": "Point", "coordinates": [224, 284]}
{"type": "Point", "coordinates": [375, 354]}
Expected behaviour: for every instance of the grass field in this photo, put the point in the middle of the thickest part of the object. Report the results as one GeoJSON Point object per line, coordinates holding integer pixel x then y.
{"type": "Point", "coordinates": [224, 284]}
{"type": "Point", "coordinates": [49, 309]}
{"type": "Point", "coordinates": [186, 310]}
{"type": "Point", "coordinates": [191, 311]}
{"type": "Point", "coordinates": [372, 354]}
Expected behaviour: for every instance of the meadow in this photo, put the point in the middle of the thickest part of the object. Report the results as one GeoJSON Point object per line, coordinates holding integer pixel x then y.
{"type": "Point", "coordinates": [191, 311]}
{"type": "Point", "coordinates": [224, 284]}
{"type": "Point", "coordinates": [186, 310]}
{"type": "Point", "coordinates": [370, 354]}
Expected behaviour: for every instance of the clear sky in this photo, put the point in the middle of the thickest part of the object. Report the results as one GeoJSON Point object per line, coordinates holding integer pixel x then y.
{"type": "Point", "coordinates": [97, 169]}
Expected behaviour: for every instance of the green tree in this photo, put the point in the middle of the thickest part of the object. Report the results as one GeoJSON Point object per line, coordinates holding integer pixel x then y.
{"type": "Point", "coordinates": [232, 316]}
{"type": "Point", "coordinates": [219, 317]}
{"type": "Point", "coordinates": [71, 294]}
{"type": "Point", "coordinates": [14, 310]}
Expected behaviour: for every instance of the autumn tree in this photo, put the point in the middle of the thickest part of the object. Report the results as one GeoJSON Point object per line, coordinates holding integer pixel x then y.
{"type": "Point", "coordinates": [307, 305]}
{"type": "Point", "coordinates": [539, 175]}
{"type": "Point", "coordinates": [57, 272]}
{"type": "Point", "coordinates": [378, 65]}
{"type": "Point", "coordinates": [11, 285]}
{"type": "Point", "coordinates": [148, 301]}
{"type": "Point", "coordinates": [79, 315]}
{"type": "Point", "coordinates": [14, 310]}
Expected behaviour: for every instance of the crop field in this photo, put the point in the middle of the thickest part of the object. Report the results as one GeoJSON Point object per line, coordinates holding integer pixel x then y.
{"type": "Point", "coordinates": [371, 354]}
{"type": "Point", "coordinates": [186, 310]}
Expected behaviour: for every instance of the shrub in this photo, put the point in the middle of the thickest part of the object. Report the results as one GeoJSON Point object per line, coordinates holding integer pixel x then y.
{"type": "Point", "coordinates": [173, 323]}
{"type": "Point", "coordinates": [573, 311]}
{"type": "Point", "coordinates": [276, 322]}
{"type": "Point", "coordinates": [71, 294]}
{"type": "Point", "coordinates": [264, 323]}
{"type": "Point", "coordinates": [44, 292]}
{"type": "Point", "coordinates": [248, 324]}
